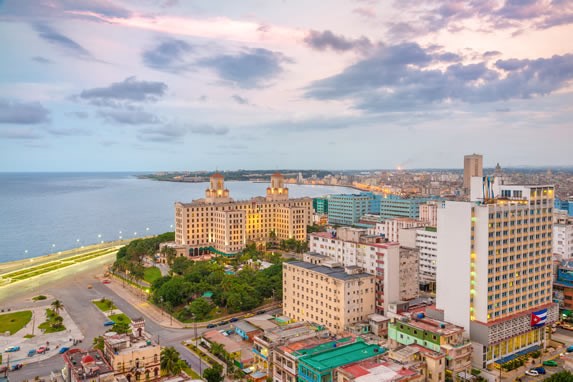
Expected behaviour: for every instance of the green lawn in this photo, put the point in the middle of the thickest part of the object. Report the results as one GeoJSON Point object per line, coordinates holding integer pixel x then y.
{"type": "Point", "coordinates": [120, 318]}
{"type": "Point", "coordinates": [151, 274]}
{"type": "Point", "coordinates": [12, 322]}
{"type": "Point", "coordinates": [104, 306]}
{"type": "Point", "coordinates": [49, 326]}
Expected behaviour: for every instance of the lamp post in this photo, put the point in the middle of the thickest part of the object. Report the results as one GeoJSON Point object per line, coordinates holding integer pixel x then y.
{"type": "Point", "coordinates": [161, 300]}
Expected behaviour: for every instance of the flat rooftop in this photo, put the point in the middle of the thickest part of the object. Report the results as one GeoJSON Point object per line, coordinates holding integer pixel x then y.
{"type": "Point", "coordinates": [337, 272]}
{"type": "Point", "coordinates": [386, 370]}
{"type": "Point", "coordinates": [343, 355]}
{"type": "Point", "coordinates": [430, 325]}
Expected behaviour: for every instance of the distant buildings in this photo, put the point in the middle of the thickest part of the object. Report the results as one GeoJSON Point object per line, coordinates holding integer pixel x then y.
{"type": "Point", "coordinates": [394, 206]}
{"type": "Point", "coordinates": [563, 285]}
{"type": "Point", "coordinates": [494, 273]}
{"type": "Point", "coordinates": [473, 166]}
{"type": "Point", "coordinates": [329, 296]}
{"type": "Point", "coordinates": [565, 205]}
{"type": "Point", "coordinates": [347, 209]}
{"type": "Point", "coordinates": [221, 225]}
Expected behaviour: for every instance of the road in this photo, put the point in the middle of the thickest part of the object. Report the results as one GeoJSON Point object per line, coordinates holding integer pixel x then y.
{"type": "Point", "coordinates": [73, 291]}
{"type": "Point", "coordinates": [561, 335]}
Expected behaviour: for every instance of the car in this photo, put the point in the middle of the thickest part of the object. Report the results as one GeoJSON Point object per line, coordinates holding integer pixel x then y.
{"type": "Point", "coordinates": [223, 323]}
{"type": "Point", "coordinates": [540, 370]}
{"type": "Point", "coordinates": [249, 315]}
{"type": "Point", "coordinates": [211, 326]}
{"type": "Point", "coordinates": [90, 286]}
{"type": "Point", "coordinates": [109, 323]}
{"type": "Point", "coordinates": [31, 352]}
{"type": "Point", "coordinates": [3, 369]}
{"type": "Point", "coordinates": [41, 350]}
{"type": "Point", "coordinates": [16, 366]}
{"type": "Point", "coordinates": [234, 319]}
{"type": "Point", "coordinates": [532, 372]}
{"type": "Point", "coordinates": [570, 349]}
{"type": "Point", "coordinates": [550, 363]}
{"type": "Point", "coordinates": [11, 349]}
{"type": "Point", "coordinates": [261, 312]}
{"type": "Point", "coordinates": [63, 349]}
{"type": "Point", "coordinates": [106, 281]}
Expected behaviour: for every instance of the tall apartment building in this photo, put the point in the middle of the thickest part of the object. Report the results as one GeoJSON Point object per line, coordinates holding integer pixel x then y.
{"type": "Point", "coordinates": [394, 206]}
{"type": "Point", "coordinates": [328, 296]}
{"type": "Point", "coordinates": [494, 275]}
{"type": "Point", "coordinates": [563, 239]}
{"type": "Point", "coordinates": [320, 205]}
{"type": "Point", "coordinates": [219, 223]}
{"type": "Point", "coordinates": [394, 226]}
{"type": "Point", "coordinates": [347, 209]}
{"type": "Point", "coordinates": [473, 166]}
{"type": "Point", "coordinates": [351, 247]}
{"type": "Point", "coordinates": [429, 213]}
{"type": "Point", "coordinates": [425, 239]}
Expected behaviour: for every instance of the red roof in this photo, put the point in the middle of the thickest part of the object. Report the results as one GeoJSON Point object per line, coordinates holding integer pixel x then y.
{"type": "Point", "coordinates": [88, 359]}
{"type": "Point", "coordinates": [217, 175]}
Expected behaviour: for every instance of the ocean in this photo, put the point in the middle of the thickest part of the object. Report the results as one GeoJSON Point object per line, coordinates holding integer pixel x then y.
{"type": "Point", "coordinates": [42, 213]}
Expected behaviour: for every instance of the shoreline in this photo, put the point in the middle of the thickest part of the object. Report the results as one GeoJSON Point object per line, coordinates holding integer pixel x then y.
{"type": "Point", "coordinates": [14, 265]}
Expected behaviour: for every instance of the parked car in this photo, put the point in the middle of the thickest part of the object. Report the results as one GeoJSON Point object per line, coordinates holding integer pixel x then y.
{"type": "Point", "coordinates": [11, 349]}
{"type": "Point", "coordinates": [540, 370]}
{"type": "Point", "coordinates": [234, 319]}
{"type": "Point", "coordinates": [31, 352]}
{"type": "Point", "coordinates": [41, 350]}
{"type": "Point", "coordinates": [570, 349]}
{"type": "Point", "coordinates": [109, 323]}
{"type": "Point", "coordinates": [249, 315]}
{"type": "Point", "coordinates": [90, 286]}
{"type": "Point", "coordinates": [3, 369]}
{"type": "Point", "coordinates": [223, 323]}
{"type": "Point", "coordinates": [211, 326]}
{"type": "Point", "coordinates": [532, 372]}
{"type": "Point", "coordinates": [106, 281]}
{"type": "Point", "coordinates": [16, 366]}
{"type": "Point", "coordinates": [550, 363]}
{"type": "Point", "coordinates": [261, 312]}
{"type": "Point", "coordinates": [64, 349]}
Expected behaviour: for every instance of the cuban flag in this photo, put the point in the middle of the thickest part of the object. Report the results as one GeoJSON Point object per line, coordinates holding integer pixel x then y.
{"type": "Point", "coordinates": [539, 318]}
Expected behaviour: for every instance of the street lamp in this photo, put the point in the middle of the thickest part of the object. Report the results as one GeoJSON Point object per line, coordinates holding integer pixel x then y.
{"type": "Point", "coordinates": [161, 300]}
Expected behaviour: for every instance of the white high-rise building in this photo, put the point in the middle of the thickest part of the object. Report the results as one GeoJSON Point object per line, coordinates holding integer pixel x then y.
{"type": "Point", "coordinates": [563, 240]}
{"type": "Point", "coordinates": [494, 273]}
{"type": "Point", "coordinates": [424, 239]}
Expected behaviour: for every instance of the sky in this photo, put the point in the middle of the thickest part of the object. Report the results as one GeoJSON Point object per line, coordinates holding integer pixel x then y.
{"type": "Point", "coordinates": [153, 85]}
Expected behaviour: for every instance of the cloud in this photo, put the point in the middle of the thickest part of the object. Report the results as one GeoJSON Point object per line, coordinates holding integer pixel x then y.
{"type": "Point", "coordinates": [209, 130]}
{"type": "Point", "coordinates": [328, 40]}
{"type": "Point", "coordinates": [365, 12]}
{"type": "Point", "coordinates": [491, 53]}
{"type": "Point", "coordinates": [166, 133]}
{"type": "Point", "coordinates": [121, 93]}
{"type": "Point", "coordinates": [41, 60]}
{"type": "Point", "coordinates": [240, 100]}
{"type": "Point", "coordinates": [57, 9]}
{"type": "Point", "coordinates": [20, 134]}
{"type": "Point", "coordinates": [22, 113]}
{"type": "Point", "coordinates": [78, 114]}
{"type": "Point", "coordinates": [69, 132]}
{"type": "Point", "coordinates": [249, 68]}
{"type": "Point", "coordinates": [62, 42]}
{"type": "Point", "coordinates": [128, 117]}
{"type": "Point", "coordinates": [399, 77]}
{"type": "Point", "coordinates": [168, 56]}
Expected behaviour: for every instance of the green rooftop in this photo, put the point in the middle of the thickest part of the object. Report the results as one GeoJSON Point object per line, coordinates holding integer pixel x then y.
{"type": "Point", "coordinates": [339, 356]}
{"type": "Point", "coordinates": [321, 347]}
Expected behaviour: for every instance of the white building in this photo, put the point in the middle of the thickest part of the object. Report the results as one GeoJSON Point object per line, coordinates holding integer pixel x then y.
{"type": "Point", "coordinates": [563, 240]}
{"type": "Point", "coordinates": [429, 213]}
{"type": "Point", "coordinates": [426, 241]}
{"type": "Point", "coordinates": [393, 227]}
{"type": "Point", "coordinates": [494, 275]}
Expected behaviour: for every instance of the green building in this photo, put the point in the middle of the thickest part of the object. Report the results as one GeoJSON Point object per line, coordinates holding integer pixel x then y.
{"type": "Point", "coordinates": [320, 205]}
{"type": "Point", "coordinates": [318, 364]}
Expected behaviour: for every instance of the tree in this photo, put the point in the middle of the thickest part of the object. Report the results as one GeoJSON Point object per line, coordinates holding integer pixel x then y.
{"type": "Point", "coordinates": [563, 376]}
{"type": "Point", "coordinates": [98, 343]}
{"type": "Point", "coordinates": [214, 374]}
{"type": "Point", "coordinates": [57, 306]}
{"type": "Point", "coordinates": [200, 308]}
{"type": "Point", "coordinates": [170, 360]}
{"type": "Point", "coordinates": [120, 327]}
{"type": "Point", "coordinates": [57, 322]}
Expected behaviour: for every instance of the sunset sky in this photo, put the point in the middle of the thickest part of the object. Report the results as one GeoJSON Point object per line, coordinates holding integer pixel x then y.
{"type": "Point", "coordinates": [189, 85]}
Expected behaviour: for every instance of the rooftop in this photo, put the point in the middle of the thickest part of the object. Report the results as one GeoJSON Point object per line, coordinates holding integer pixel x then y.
{"type": "Point", "coordinates": [430, 325]}
{"type": "Point", "coordinates": [86, 364]}
{"type": "Point", "coordinates": [343, 355]}
{"type": "Point", "coordinates": [245, 326]}
{"type": "Point", "coordinates": [337, 273]}
{"type": "Point", "coordinates": [386, 370]}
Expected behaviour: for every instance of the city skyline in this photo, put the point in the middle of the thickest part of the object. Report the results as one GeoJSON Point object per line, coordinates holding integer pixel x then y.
{"type": "Point", "coordinates": [171, 85]}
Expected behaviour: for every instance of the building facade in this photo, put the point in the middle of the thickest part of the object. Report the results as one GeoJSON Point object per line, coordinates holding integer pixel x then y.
{"type": "Point", "coordinates": [425, 239]}
{"type": "Point", "coordinates": [218, 223]}
{"type": "Point", "coordinates": [429, 213]}
{"type": "Point", "coordinates": [326, 295]}
{"type": "Point", "coordinates": [395, 225]}
{"type": "Point", "coordinates": [502, 240]}
{"type": "Point", "coordinates": [394, 206]}
{"type": "Point", "coordinates": [563, 239]}
{"type": "Point", "coordinates": [320, 205]}
{"type": "Point", "coordinates": [347, 209]}
{"type": "Point", "coordinates": [473, 166]}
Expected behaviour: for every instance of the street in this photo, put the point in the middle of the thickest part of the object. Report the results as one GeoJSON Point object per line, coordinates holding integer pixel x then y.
{"type": "Point", "coordinates": [74, 293]}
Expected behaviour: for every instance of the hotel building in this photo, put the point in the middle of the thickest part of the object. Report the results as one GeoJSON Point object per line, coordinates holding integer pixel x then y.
{"type": "Point", "coordinates": [220, 224]}
{"type": "Point", "coordinates": [494, 275]}
{"type": "Point", "coordinates": [327, 295]}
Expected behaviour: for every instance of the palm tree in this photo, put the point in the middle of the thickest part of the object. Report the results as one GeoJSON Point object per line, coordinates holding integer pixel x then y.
{"type": "Point", "coordinates": [170, 360]}
{"type": "Point", "coordinates": [57, 306]}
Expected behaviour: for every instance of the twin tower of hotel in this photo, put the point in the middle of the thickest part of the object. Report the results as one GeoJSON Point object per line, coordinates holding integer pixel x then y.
{"type": "Point", "coordinates": [220, 223]}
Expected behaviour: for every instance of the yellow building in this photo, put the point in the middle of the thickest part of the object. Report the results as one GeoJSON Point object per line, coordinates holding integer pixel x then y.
{"type": "Point", "coordinates": [218, 222]}
{"type": "Point", "coordinates": [134, 356]}
{"type": "Point", "coordinates": [328, 296]}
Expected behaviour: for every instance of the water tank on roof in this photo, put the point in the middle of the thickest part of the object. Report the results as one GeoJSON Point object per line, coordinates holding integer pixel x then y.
{"type": "Point", "coordinates": [442, 325]}
{"type": "Point", "coordinates": [419, 316]}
